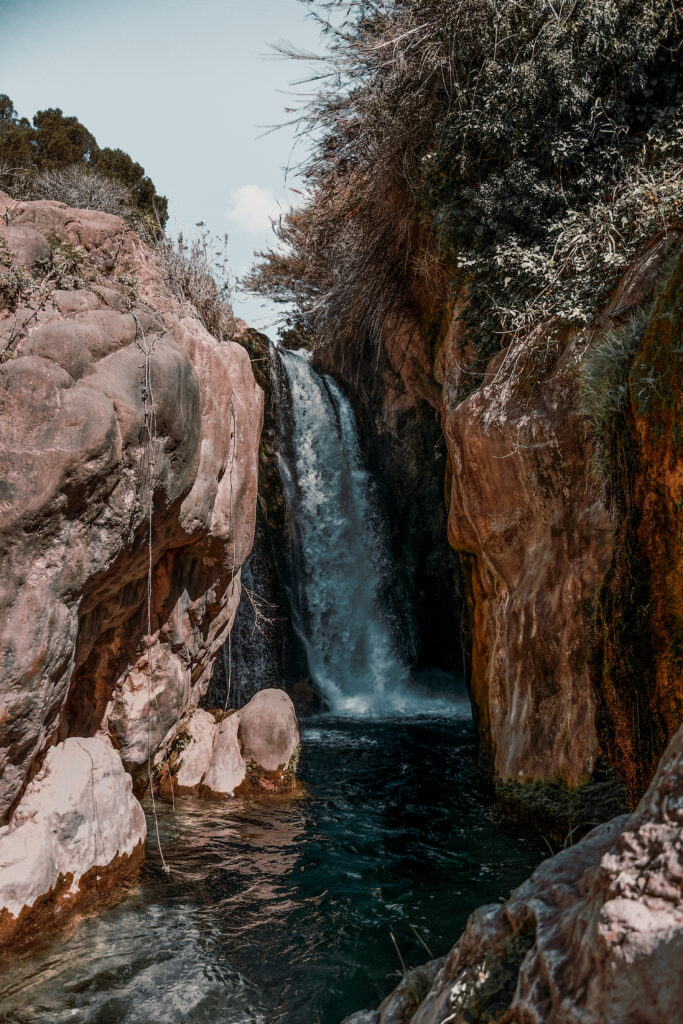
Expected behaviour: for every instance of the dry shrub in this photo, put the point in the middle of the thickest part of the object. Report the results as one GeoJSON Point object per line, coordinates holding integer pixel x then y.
{"type": "Point", "coordinates": [521, 148]}
{"type": "Point", "coordinates": [81, 188]}
{"type": "Point", "coordinates": [197, 272]}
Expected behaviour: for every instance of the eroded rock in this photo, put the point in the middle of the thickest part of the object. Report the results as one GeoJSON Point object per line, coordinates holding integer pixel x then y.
{"type": "Point", "coordinates": [77, 833]}
{"type": "Point", "coordinates": [530, 518]}
{"type": "Point", "coordinates": [114, 402]}
{"type": "Point", "coordinates": [255, 748]}
{"type": "Point", "coordinates": [128, 480]}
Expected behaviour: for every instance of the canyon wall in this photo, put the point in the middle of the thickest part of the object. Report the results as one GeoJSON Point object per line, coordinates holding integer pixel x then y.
{"type": "Point", "coordinates": [570, 727]}
{"type": "Point", "coordinates": [128, 458]}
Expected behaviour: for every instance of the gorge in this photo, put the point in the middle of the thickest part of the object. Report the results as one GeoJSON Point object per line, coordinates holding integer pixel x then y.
{"type": "Point", "coordinates": [341, 673]}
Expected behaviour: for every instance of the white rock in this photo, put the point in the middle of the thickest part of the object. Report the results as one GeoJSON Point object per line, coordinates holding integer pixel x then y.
{"type": "Point", "coordinates": [227, 768]}
{"type": "Point", "coordinates": [201, 732]}
{"type": "Point", "coordinates": [265, 731]}
{"type": "Point", "coordinates": [77, 813]}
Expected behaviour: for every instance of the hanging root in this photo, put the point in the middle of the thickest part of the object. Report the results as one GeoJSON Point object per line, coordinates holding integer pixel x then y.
{"type": "Point", "coordinates": [147, 349]}
{"type": "Point", "coordinates": [233, 448]}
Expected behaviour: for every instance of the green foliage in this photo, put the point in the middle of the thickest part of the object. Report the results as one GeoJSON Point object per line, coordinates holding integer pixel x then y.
{"type": "Point", "coordinates": [55, 143]}
{"type": "Point", "coordinates": [604, 379]}
{"type": "Point", "coordinates": [518, 149]}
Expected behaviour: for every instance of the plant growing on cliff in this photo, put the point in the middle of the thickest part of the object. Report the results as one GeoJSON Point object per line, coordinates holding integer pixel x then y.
{"type": "Point", "coordinates": [604, 376]}
{"type": "Point", "coordinates": [197, 271]}
{"type": "Point", "coordinates": [517, 152]}
{"type": "Point", "coordinates": [80, 187]}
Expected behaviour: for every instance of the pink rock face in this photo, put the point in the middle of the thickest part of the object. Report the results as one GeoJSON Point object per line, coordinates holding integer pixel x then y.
{"type": "Point", "coordinates": [77, 819]}
{"type": "Point", "coordinates": [80, 470]}
{"type": "Point", "coordinates": [268, 730]}
{"type": "Point", "coordinates": [595, 936]}
{"type": "Point", "coordinates": [524, 505]}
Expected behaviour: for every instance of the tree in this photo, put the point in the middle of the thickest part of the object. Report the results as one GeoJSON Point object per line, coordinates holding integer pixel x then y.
{"type": "Point", "coordinates": [55, 142]}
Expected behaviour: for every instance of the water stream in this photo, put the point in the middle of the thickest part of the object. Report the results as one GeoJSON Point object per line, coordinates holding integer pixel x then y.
{"type": "Point", "coordinates": [339, 559]}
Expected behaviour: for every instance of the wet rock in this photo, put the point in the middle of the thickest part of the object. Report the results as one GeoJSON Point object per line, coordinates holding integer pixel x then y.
{"type": "Point", "coordinates": [256, 748]}
{"type": "Point", "coordinates": [77, 833]}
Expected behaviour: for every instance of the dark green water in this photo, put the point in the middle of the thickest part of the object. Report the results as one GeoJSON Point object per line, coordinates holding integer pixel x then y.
{"type": "Point", "coordinates": [282, 911]}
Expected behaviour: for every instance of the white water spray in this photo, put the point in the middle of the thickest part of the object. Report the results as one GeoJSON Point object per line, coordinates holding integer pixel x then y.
{"type": "Point", "coordinates": [338, 552]}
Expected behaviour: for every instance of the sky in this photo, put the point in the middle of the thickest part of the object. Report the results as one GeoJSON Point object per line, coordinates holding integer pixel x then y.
{"type": "Point", "coordinates": [187, 89]}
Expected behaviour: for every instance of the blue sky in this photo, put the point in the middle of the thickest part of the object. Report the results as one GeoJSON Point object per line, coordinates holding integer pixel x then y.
{"type": "Point", "coordinates": [185, 88]}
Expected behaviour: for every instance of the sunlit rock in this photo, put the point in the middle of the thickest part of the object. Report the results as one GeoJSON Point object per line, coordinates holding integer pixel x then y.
{"type": "Point", "coordinates": [77, 833]}
{"type": "Point", "coordinates": [227, 767]}
{"type": "Point", "coordinates": [256, 748]}
{"type": "Point", "coordinates": [114, 401]}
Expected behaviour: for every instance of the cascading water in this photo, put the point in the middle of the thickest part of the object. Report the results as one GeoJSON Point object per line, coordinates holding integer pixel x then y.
{"type": "Point", "coordinates": [338, 553]}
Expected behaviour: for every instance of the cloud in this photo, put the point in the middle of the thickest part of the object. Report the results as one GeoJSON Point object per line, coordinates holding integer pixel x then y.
{"type": "Point", "coordinates": [251, 208]}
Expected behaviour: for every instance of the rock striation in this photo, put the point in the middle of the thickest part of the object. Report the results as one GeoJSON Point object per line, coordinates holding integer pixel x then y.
{"type": "Point", "coordinates": [128, 482]}
{"type": "Point", "coordinates": [533, 523]}
{"type": "Point", "coordinates": [595, 936]}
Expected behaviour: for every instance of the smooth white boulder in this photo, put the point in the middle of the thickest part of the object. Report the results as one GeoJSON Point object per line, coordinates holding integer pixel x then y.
{"type": "Point", "coordinates": [77, 814]}
{"type": "Point", "coordinates": [227, 767]}
{"type": "Point", "coordinates": [200, 733]}
{"type": "Point", "coordinates": [268, 730]}
{"type": "Point", "coordinates": [213, 758]}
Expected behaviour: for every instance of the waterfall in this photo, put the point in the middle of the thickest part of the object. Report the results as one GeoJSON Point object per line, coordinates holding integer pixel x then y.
{"type": "Point", "coordinates": [338, 553]}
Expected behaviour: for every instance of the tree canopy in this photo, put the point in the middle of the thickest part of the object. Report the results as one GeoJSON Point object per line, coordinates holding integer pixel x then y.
{"type": "Point", "coordinates": [53, 141]}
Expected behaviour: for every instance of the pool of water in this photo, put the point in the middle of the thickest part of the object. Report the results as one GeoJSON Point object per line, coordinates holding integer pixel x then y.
{"type": "Point", "coordinates": [282, 911]}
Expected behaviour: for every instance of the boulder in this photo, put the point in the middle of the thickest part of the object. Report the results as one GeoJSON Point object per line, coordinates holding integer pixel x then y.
{"type": "Point", "coordinates": [268, 730]}
{"type": "Point", "coordinates": [76, 835]}
{"type": "Point", "coordinates": [226, 769]}
{"type": "Point", "coordinates": [256, 748]}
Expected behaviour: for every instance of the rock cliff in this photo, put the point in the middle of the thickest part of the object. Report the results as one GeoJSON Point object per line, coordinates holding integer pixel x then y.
{"type": "Point", "coordinates": [541, 537]}
{"type": "Point", "coordinates": [128, 459]}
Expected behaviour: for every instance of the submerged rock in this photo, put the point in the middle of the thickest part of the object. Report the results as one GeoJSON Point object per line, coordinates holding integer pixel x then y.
{"type": "Point", "coordinates": [595, 936]}
{"type": "Point", "coordinates": [216, 754]}
{"type": "Point", "coordinates": [77, 833]}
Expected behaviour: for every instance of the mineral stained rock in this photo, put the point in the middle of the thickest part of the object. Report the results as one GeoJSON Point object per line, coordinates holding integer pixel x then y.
{"type": "Point", "coordinates": [128, 480]}
{"type": "Point", "coordinates": [530, 517]}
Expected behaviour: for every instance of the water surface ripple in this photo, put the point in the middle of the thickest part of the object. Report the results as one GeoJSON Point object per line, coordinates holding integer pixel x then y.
{"type": "Point", "coordinates": [281, 911]}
